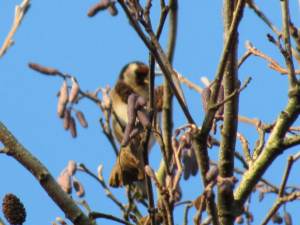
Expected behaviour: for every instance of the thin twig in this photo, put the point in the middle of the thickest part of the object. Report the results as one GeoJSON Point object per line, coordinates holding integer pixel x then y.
{"type": "Point", "coordinates": [261, 142]}
{"type": "Point", "coordinates": [243, 58]}
{"type": "Point", "coordinates": [261, 15]}
{"type": "Point", "coordinates": [186, 212]}
{"type": "Point", "coordinates": [278, 204]}
{"type": "Point", "coordinates": [281, 198]}
{"type": "Point", "coordinates": [97, 215]}
{"type": "Point", "coordinates": [272, 63]}
{"type": "Point", "coordinates": [230, 96]}
{"type": "Point", "coordinates": [287, 42]}
{"type": "Point", "coordinates": [286, 176]}
{"type": "Point", "coordinates": [189, 83]}
{"type": "Point", "coordinates": [245, 147]}
{"type": "Point", "coordinates": [108, 193]}
{"type": "Point", "coordinates": [20, 11]}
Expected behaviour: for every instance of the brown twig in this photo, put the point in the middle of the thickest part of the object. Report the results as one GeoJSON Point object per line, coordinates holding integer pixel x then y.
{"type": "Point", "coordinates": [286, 176]}
{"type": "Point", "coordinates": [186, 212]}
{"type": "Point", "coordinates": [230, 96]}
{"type": "Point", "coordinates": [261, 15]}
{"type": "Point", "coordinates": [287, 43]}
{"type": "Point", "coordinates": [108, 133]}
{"type": "Point", "coordinates": [97, 215]}
{"type": "Point", "coordinates": [245, 147]}
{"type": "Point", "coordinates": [108, 193]}
{"type": "Point", "coordinates": [272, 63]}
{"type": "Point", "coordinates": [20, 11]}
{"type": "Point", "coordinates": [282, 198]}
{"type": "Point", "coordinates": [189, 83]}
{"type": "Point", "coordinates": [261, 142]}
{"type": "Point", "coordinates": [279, 202]}
{"type": "Point", "coordinates": [244, 58]}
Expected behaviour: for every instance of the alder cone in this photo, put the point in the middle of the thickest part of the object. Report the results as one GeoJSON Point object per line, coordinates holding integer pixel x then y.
{"type": "Point", "coordinates": [102, 5]}
{"type": "Point", "coordinates": [131, 113]}
{"type": "Point", "coordinates": [287, 218]}
{"type": "Point", "coordinates": [64, 181]}
{"type": "Point", "coordinates": [62, 100]}
{"type": "Point", "coordinates": [112, 9]}
{"type": "Point", "coordinates": [44, 70]}
{"type": "Point", "coordinates": [74, 91]}
{"type": "Point", "coordinates": [13, 209]}
{"type": "Point", "coordinates": [276, 218]}
{"type": "Point", "coordinates": [78, 188]}
{"type": "Point", "coordinates": [143, 118]}
{"type": "Point", "coordinates": [81, 118]}
{"type": "Point", "coordinates": [73, 127]}
{"type": "Point", "coordinates": [72, 167]}
{"type": "Point", "coordinates": [67, 118]}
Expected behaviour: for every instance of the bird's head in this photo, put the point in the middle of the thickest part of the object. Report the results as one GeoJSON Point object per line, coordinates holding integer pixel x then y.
{"type": "Point", "coordinates": [135, 74]}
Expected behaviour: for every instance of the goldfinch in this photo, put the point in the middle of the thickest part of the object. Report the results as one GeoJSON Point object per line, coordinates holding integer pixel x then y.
{"type": "Point", "coordinates": [133, 79]}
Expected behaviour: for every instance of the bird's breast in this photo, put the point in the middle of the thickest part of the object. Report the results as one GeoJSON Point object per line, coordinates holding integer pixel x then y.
{"type": "Point", "coordinates": [119, 107]}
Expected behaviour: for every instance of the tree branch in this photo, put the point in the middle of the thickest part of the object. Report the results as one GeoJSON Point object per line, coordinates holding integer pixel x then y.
{"type": "Point", "coordinates": [273, 148]}
{"type": "Point", "coordinates": [19, 15]}
{"type": "Point", "coordinates": [97, 215]}
{"type": "Point", "coordinates": [229, 130]}
{"type": "Point", "coordinates": [40, 172]}
{"type": "Point", "coordinates": [287, 42]}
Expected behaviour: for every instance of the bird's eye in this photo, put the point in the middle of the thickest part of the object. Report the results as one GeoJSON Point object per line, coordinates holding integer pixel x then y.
{"type": "Point", "coordinates": [141, 75]}
{"type": "Point", "coordinates": [140, 78]}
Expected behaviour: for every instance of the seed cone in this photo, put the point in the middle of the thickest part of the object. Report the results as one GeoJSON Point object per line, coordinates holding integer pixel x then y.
{"type": "Point", "coordinates": [81, 118]}
{"type": "Point", "coordinates": [42, 69]}
{"type": "Point", "coordinates": [74, 91]}
{"type": "Point", "coordinates": [13, 209]}
{"type": "Point", "coordinates": [62, 100]}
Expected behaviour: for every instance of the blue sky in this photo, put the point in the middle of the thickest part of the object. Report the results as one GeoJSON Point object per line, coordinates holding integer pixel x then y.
{"type": "Point", "coordinates": [59, 34]}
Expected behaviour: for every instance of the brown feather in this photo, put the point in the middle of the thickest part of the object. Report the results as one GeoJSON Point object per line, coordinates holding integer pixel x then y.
{"type": "Point", "coordinates": [123, 90]}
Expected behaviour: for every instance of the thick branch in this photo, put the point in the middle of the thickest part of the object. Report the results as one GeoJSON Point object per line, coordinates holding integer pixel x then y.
{"type": "Point", "coordinates": [228, 140]}
{"type": "Point", "coordinates": [40, 172]}
{"type": "Point", "coordinates": [200, 138]}
{"type": "Point", "coordinates": [274, 147]}
{"type": "Point", "coordinates": [167, 118]}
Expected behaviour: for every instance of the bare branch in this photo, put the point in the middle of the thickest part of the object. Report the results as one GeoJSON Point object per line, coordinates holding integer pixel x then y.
{"type": "Point", "coordinates": [287, 42]}
{"type": "Point", "coordinates": [20, 11]}
{"type": "Point", "coordinates": [40, 172]}
{"type": "Point", "coordinates": [97, 215]}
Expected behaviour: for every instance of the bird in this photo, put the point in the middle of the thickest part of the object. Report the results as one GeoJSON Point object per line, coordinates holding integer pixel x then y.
{"type": "Point", "coordinates": [133, 80]}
